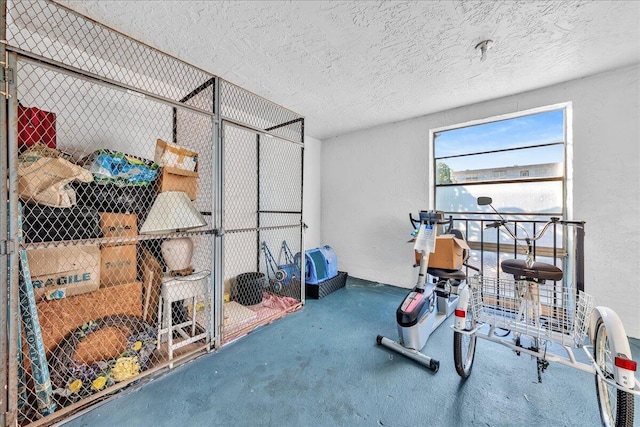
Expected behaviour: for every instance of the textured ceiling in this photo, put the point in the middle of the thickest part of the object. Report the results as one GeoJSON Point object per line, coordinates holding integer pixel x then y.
{"type": "Point", "coordinates": [350, 65]}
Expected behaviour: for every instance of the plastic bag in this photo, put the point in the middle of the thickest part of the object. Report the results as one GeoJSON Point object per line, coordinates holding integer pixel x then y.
{"type": "Point", "coordinates": [426, 239]}
{"type": "Point", "coordinates": [121, 168]}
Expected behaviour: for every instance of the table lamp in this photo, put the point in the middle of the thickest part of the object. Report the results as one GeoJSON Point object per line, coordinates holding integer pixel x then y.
{"type": "Point", "coordinates": [171, 212]}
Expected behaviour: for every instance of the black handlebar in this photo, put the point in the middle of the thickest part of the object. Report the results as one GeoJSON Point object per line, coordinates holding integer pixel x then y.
{"type": "Point", "coordinates": [495, 224]}
{"type": "Point", "coordinates": [566, 222]}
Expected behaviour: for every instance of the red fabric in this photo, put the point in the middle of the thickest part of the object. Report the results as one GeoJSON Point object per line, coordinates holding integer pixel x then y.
{"type": "Point", "coordinates": [36, 125]}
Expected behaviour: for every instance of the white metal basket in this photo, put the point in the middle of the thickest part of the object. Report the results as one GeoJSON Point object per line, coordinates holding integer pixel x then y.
{"type": "Point", "coordinates": [546, 311]}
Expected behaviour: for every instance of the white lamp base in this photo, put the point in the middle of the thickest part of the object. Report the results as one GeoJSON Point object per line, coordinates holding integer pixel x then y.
{"type": "Point", "coordinates": [177, 253]}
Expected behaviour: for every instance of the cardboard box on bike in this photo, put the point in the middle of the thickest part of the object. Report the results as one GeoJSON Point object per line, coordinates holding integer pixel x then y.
{"type": "Point", "coordinates": [448, 254]}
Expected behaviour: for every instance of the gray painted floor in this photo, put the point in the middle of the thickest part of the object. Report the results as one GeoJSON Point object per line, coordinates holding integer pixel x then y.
{"type": "Point", "coordinates": [321, 367]}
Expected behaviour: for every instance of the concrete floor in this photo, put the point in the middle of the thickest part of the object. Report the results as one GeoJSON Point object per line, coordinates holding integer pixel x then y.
{"type": "Point", "coordinates": [322, 367]}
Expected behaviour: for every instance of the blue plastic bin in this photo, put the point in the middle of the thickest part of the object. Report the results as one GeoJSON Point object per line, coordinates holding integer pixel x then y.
{"type": "Point", "coordinates": [320, 264]}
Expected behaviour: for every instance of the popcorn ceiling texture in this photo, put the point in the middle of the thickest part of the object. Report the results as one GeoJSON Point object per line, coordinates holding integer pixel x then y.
{"type": "Point", "coordinates": [349, 65]}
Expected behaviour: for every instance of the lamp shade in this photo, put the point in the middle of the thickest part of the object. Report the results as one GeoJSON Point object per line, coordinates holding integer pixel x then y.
{"type": "Point", "coordinates": [172, 211]}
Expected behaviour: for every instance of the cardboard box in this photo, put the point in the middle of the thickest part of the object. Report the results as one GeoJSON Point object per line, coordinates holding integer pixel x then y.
{"type": "Point", "coordinates": [175, 156]}
{"type": "Point", "coordinates": [179, 168]}
{"type": "Point", "coordinates": [175, 179]}
{"type": "Point", "coordinates": [118, 264]}
{"type": "Point", "coordinates": [449, 253]}
{"type": "Point", "coordinates": [118, 224]}
{"type": "Point", "coordinates": [62, 272]}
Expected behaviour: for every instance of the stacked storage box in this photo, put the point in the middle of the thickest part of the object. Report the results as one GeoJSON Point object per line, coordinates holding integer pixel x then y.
{"type": "Point", "coordinates": [321, 272]}
{"type": "Point", "coordinates": [179, 168]}
{"type": "Point", "coordinates": [325, 287]}
{"type": "Point", "coordinates": [118, 261]}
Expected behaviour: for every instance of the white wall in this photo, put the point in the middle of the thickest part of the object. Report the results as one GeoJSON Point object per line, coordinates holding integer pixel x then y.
{"type": "Point", "coordinates": [372, 179]}
{"type": "Point", "coordinates": [311, 192]}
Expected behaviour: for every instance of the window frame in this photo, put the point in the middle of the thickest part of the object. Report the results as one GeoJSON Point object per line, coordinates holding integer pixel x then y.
{"type": "Point", "coordinates": [567, 187]}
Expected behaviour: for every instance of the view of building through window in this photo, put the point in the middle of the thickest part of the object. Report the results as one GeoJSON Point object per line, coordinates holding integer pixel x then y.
{"type": "Point", "coordinates": [519, 162]}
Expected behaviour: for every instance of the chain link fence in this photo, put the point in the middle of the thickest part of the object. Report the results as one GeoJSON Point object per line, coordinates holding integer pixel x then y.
{"type": "Point", "coordinates": [115, 244]}
{"type": "Point", "coordinates": [263, 219]}
{"type": "Point", "coordinates": [122, 184]}
{"type": "Point", "coordinates": [241, 106]}
{"type": "Point", "coordinates": [49, 31]}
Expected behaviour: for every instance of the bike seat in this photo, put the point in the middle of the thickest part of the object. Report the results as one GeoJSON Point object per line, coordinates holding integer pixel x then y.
{"type": "Point", "coordinates": [447, 274]}
{"type": "Point", "coordinates": [539, 270]}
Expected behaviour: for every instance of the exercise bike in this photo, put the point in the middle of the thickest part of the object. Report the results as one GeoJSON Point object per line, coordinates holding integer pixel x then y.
{"type": "Point", "coordinates": [430, 302]}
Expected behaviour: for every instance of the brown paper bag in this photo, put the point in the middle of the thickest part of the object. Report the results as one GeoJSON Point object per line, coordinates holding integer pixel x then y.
{"type": "Point", "coordinates": [43, 179]}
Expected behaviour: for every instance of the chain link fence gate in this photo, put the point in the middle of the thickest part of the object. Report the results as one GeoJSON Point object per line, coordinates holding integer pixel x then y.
{"type": "Point", "coordinates": [121, 186]}
{"type": "Point", "coordinates": [263, 214]}
{"type": "Point", "coordinates": [261, 171]}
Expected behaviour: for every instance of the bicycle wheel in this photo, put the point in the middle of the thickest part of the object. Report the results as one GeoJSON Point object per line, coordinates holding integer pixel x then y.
{"type": "Point", "coordinates": [464, 348]}
{"type": "Point", "coordinates": [616, 406]}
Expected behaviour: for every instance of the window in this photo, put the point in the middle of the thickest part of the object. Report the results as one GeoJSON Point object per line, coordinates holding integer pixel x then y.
{"type": "Point", "coordinates": [519, 161]}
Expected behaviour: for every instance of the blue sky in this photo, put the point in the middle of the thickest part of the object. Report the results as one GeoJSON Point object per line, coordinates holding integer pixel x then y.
{"type": "Point", "coordinates": [534, 129]}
